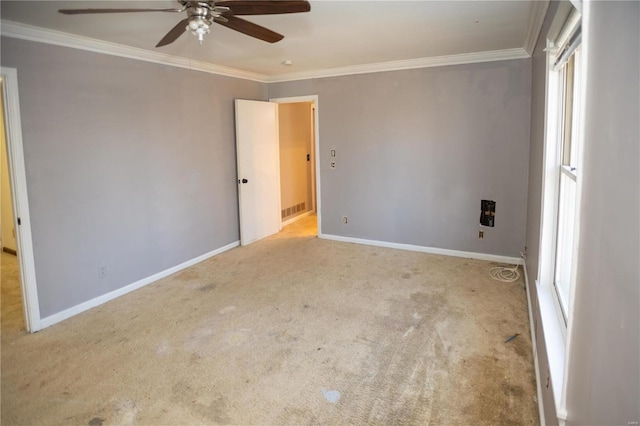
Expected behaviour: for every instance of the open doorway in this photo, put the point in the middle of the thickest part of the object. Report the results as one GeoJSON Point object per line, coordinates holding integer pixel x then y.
{"type": "Point", "coordinates": [22, 273]}
{"type": "Point", "coordinates": [262, 211]}
{"type": "Point", "coordinates": [10, 283]}
{"type": "Point", "coordinates": [298, 174]}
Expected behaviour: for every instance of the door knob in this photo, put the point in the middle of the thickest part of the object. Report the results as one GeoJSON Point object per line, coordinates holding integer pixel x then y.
{"type": "Point", "coordinates": [244, 181]}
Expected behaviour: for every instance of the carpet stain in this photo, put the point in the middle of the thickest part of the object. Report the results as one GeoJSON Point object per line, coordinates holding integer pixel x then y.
{"type": "Point", "coordinates": [494, 393]}
{"type": "Point", "coordinates": [96, 421]}
{"type": "Point", "coordinates": [207, 288]}
{"type": "Point", "coordinates": [187, 275]}
{"type": "Point", "coordinates": [408, 332]}
{"type": "Point", "coordinates": [421, 298]}
{"type": "Point", "coordinates": [202, 402]}
{"type": "Point", "coordinates": [237, 337]}
{"type": "Point", "coordinates": [164, 348]}
{"type": "Point", "coordinates": [216, 410]}
{"type": "Point", "coordinates": [522, 349]}
{"type": "Point", "coordinates": [202, 341]}
{"type": "Point", "coordinates": [285, 337]}
{"type": "Point", "coordinates": [125, 412]}
{"type": "Point", "coordinates": [332, 396]}
{"type": "Point", "coordinates": [512, 390]}
{"type": "Point", "coordinates": [227, 309]}
{"type": "Point", "coordinates": [297, 416]}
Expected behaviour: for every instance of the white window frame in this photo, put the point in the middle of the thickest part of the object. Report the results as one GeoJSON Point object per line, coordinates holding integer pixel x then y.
{"type": "Point", "coordinates": [557, 326]}
{"type": "Point", "coordinates": [574, 174]}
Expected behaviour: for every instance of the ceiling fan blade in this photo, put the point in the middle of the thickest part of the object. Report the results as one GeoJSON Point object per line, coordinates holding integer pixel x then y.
{"type": "Point", "coordinates": [88, 11]}
{"type": "Point", "coordinates": [174, 33]}
{"type": "Point", "coordinates": [265, 7]}
{"type": "Point", "coordinates": [250, 29]}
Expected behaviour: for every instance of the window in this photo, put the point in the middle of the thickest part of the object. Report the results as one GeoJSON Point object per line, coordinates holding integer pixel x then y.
{"type": "Point", "coordinates": [561, 188]}
{"type": "Point", "coordinates": [567, 136]}
{"type": "Point", "coordinates": [568, 182]}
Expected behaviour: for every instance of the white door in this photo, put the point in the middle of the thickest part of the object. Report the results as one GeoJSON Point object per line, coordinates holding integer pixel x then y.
{"type": "Point", "coordinates": [258, 169]}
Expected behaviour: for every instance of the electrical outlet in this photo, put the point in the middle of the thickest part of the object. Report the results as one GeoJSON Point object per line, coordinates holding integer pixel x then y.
{"type": "Point", "coordinates": [481, 234]}
{"type": "Point", "coordinates": [102, 272]}
{"type": "Point", "coordinates": [344, 219]}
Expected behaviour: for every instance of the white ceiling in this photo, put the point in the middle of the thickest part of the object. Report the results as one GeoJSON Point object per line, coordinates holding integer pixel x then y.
{"type": "Point", "coordinates": [334, 34]}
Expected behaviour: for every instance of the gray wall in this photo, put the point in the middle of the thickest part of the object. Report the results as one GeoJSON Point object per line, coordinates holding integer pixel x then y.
{"type": "Point", "coordinates": [417, 150]}
{"type": "Point", "coordinates": [603, 369]}
{"type": "Point", "coordinates": [603, 377]}
{"type": "Point", "coordinates": [130, 165]}
{"type": "Point", "coordinates": [536, 147]}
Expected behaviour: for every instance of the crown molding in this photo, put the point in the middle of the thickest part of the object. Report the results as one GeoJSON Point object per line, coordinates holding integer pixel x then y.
{"type": "Point", "coordinates": [42, 35]}
{"type": "Point", "coordinates": [436, 61]}
{"type": "Point", "coordinates": [537, 12]}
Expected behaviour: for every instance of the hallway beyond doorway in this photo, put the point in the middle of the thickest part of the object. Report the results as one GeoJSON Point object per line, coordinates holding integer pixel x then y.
{"type": "Point", "coordinates": [304, 227]}
{"type": "Point", "coordinates": [11, 316]}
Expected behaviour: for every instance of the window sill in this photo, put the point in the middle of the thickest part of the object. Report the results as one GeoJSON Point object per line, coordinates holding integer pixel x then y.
{"type": "Point", "coordinates": [554, 338]}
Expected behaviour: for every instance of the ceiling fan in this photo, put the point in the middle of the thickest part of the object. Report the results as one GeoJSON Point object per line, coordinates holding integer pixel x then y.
{"type": "Point", "coordinates": [202, 14]}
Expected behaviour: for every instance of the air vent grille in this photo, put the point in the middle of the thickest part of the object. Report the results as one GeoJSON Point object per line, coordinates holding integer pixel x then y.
{"type": "Point", "coordinates": [290, 211]}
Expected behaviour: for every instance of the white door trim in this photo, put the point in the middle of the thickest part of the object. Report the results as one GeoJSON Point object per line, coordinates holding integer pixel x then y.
{"type": "Point", "coordinates": [18, 179]}
{"type": "Point", "coordinates": [314, 99]}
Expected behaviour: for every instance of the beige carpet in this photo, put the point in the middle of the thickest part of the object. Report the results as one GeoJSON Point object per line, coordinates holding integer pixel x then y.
{"type": "Point", "coordinates": [290, 330]}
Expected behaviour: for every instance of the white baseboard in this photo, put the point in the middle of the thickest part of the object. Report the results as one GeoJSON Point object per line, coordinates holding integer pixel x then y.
{"type": "Point", "coordinates": [423, 249]}
{"type": "Point", "coordinates": [534, 347]}
{"type": "Point", "coordinates": [75, 310]}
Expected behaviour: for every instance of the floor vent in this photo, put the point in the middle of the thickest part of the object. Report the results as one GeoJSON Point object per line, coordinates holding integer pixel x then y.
{"type": "Point", "coordinates": [290, 211]}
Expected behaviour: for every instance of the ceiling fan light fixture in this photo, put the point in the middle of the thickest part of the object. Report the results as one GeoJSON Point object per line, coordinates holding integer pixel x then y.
{"type": "Point", "coordinates": [199, 27]}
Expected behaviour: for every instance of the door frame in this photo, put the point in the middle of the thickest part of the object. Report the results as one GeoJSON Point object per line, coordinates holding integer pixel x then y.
{"type": "Point", "coordinates": [18, 183]}
{"type": "Point", "coordinates": [316, 129]}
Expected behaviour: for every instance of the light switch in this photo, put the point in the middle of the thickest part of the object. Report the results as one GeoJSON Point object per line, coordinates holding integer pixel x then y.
{"type": "Point", "coordinates": [333, 153]}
